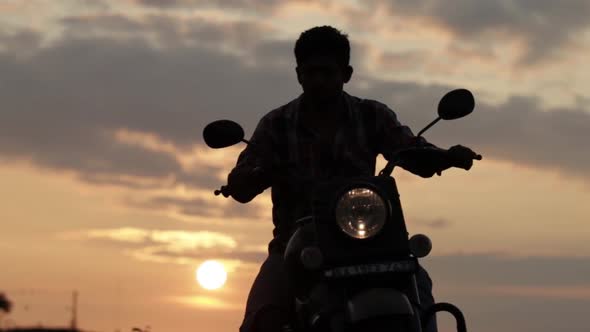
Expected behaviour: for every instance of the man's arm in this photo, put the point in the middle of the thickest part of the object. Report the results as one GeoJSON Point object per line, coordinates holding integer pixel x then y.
{"type": "Point", "coordinates": [250, 176]}
{"type": "Point", "coordinates": [394, 137]}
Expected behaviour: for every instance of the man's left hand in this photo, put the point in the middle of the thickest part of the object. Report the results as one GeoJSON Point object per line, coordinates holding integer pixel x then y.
{"type": "Point", "coordinates": [462, 157]}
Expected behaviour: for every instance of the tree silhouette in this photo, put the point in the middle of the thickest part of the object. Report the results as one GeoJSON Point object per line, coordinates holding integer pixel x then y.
{"type": "Point", "coordinates": [5, 304]}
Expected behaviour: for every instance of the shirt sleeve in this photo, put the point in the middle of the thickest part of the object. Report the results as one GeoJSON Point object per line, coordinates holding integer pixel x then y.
{"type": "Point", "coordinates": [257, 155]}
{"type": "Point", "coordinates": [394, 136]}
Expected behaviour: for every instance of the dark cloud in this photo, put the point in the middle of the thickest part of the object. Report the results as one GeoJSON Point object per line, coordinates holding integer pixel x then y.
{"type": "Point", "coordinates": [165, 3]}
{"type": "Point", "coordinates": [102, 5]}
{"type": "Point", "coordinates": [203, 177]}
{"type": "Point", "coordinates": [84, 25]}
{"type": "Point", "coordinates": [275, 53]}
{"type": "Point", "coordinates": [256, 5]}
{"type": "Point", "coordinates": [518, 130]}
{"type": "Point", "coordinates": [500, 270]}
{"type": "Point", "coordinates": [22, 42]}
{"type": "Point", "coordinates": [438, 223]}
{"type": "Point", "coordinates": [279, 56]}
{"type": "Point", "coordinates": [168, 30]}
{"type": "Point", "coordinates": [472, 271]}
{"type": "Point", "coordinates": [482, 272]}
{"type": "Point", "coordinates": [402, 61]}
{"type": "Point", "coordinates": [503, 293]}
{"type": "Point", "coordinates": [493, 290]}
{"type": "Point", "coordinates": [62, 104]}
{"type": "Point", "coordinates": [544, 26]}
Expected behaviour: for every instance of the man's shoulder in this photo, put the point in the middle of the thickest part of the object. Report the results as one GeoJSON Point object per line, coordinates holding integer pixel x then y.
{"type": "Point", "coordinates": [368, 105]}
{"type": "Point", "coordinates": [284, 111]}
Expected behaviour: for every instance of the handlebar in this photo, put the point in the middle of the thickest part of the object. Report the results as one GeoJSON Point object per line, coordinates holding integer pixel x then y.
{"type": "Point", "coordinates": [277, 173]}
{"type": "Point", "coordinates": [426, 153]}
{"type": "Point", "coordinates": [223, 190]}
{"type": "Point", "coordinates": [421, 152]}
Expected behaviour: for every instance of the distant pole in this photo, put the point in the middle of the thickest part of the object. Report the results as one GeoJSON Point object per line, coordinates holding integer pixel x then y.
{"type": "Point", "coordinates": [74, 322]}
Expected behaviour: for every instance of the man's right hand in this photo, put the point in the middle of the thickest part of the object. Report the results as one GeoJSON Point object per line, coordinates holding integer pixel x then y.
{"type": "Point", "coordinates": [243, 184]}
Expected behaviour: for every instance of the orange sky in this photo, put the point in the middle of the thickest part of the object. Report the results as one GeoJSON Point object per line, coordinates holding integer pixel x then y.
{"type": "Point", "coordinates": [107, 187]}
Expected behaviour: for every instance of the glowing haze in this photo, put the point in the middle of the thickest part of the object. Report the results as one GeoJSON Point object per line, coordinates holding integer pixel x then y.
{"type": "Point", "coordinates": [107, 185]}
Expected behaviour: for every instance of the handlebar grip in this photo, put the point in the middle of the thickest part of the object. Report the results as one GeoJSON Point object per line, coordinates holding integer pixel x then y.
{"type": "Point", "coordinates": [478, 157]}
{"type": "Point", "coordinates": [224, 190]}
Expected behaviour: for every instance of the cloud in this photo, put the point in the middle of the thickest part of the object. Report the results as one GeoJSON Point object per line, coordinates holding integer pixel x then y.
{"type": "Point", "coordinates": [544, 27]}
{"type": "Point", "coordinates": [167, 3]}
{"type": "Point", "coordinates": [200, 207]}
{"type": "Point", "coordinates": [508, 272]}
{"type": "Point", "coordinates": [406, 60]}
{"type": "Point", "coordinates": [66, 105]}
{"type": "Point", "coordinates": [205, 302]}
{"type": "Point", "coordinates": [503, 293]}
{"type": "Point", "coordinates": [111, 84]}
{"type": "Point", "coordinates": [22, 41]}
{"type": "Point", "coordinates": [561, 292]}
{"type": "Point", "coordinates": [232, 259]}
{"type": "Point", "coordinates": [486, 273]}
{"type": "Point", "coordinates": [519, 130]}
{"type": "Point", "coordinates": [438, 223]}
{"type": "Point", "coordinates": [130, 235]}
{"type": "Point", "coordinates": [257, 5]}
{"type": "Point", "coordinates": [174, 246]}
{"type": "Point", "coordinates": [174, 240]}
{"type": "Point", "coordinates": [168, 30]}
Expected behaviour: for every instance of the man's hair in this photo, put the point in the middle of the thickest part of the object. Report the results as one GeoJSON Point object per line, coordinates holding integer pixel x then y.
{"type": "Point", "coordinates": [324, 40]}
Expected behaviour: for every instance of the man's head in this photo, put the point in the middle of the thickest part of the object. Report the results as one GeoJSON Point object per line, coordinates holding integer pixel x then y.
{"type": "Point", "coordinates": [323, 56]}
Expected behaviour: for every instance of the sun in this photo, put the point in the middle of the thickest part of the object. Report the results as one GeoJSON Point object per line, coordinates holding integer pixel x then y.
{"type": "Point", "coordinates": [211, 275]}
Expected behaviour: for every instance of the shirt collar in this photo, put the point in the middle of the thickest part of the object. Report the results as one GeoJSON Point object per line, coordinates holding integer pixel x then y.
{"type": "Point", "coordinates": [294, 111]}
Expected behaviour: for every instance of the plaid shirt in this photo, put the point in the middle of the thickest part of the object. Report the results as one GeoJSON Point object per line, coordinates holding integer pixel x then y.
{"type": "Point", "coordinates": [368, 128]}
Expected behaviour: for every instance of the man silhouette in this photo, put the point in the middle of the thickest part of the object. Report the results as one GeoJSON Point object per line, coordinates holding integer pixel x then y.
{"type": "Point", "coordinates": [323, 133]}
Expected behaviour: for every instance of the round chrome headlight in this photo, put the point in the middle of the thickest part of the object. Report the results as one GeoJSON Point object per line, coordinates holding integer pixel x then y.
{"type": "Point", "coordinates": [361, 213]}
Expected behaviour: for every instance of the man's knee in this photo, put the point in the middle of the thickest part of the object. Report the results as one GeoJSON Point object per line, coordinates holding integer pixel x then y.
{"type": "Point", "coordinates": [270, 319]}
{"type": "Point", "coordinates": [426, 298]}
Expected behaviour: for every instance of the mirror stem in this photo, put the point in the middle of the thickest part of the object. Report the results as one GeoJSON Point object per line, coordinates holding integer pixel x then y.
{"type": "Point", "coordinates": [245, 141]}
{"type": "Point", "coordinates": [428, 127]}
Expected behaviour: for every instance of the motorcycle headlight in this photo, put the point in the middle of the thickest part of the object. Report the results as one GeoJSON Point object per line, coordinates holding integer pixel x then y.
{"type": "Point", "coordinates": [361, 213]}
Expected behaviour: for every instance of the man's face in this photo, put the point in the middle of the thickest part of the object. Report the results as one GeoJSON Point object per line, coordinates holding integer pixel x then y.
{"type": "Point", "coordinates": [322, 78]}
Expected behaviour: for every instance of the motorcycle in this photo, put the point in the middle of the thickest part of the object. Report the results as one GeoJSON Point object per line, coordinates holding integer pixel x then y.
{"type": "Point", "coordinates": [351, 263]}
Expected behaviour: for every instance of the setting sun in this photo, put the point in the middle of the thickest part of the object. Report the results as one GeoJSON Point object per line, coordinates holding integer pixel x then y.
{"type": "Point", "coordinates": [211, 275]}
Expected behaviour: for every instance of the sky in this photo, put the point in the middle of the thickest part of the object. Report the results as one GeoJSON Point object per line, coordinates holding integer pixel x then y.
{"type": "Point", "coordinates": [107, 186]}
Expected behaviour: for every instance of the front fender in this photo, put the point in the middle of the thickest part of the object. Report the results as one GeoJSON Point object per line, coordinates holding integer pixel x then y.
{"type": "Point", "coordinates": [378, 302]}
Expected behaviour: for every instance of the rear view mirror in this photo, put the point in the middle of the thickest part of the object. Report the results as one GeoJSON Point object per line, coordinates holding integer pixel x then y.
{"type": "Point", "coordinates": [456, 104]}
{"type": "Point", "coordinates": [223, 133]}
